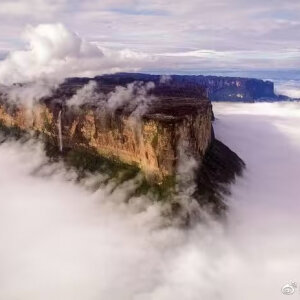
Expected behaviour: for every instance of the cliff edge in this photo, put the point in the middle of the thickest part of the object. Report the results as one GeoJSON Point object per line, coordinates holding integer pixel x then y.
{"type": "Point", "coordinates": [215, 88]}
{"type": "Point", "coordinates": [154, 130]}
{"type": "Point", "coordinates": [152, 142]}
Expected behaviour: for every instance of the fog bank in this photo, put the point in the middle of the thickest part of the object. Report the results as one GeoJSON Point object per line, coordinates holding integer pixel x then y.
{"type": "Point", "coordinates": [290, 88]}
{"type": "Point", "coordinates": [59, 240]}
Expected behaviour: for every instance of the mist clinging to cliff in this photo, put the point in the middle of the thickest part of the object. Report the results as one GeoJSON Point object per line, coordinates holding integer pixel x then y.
{"type": "Point", "coordinates": [61, 241]}
{"type": "Point", "coordinates": [135, 97]}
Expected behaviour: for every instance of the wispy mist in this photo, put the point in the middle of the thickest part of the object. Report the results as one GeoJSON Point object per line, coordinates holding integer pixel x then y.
{"type": "Point", "coordinates": [60, 240]}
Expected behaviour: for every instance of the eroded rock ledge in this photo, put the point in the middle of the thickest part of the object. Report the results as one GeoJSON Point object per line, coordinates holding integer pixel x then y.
{"type": "Point", "coordinates": [169, 131]}
{"type": "Point", "coordinates": [151, 142]}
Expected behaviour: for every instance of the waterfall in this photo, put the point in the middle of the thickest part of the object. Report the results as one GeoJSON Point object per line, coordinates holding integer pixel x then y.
{"type": "Point", "coordinates": [60, 132]}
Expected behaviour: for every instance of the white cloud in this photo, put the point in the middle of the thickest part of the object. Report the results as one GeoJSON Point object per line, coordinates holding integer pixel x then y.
{"type": "Point", "coordinates": [55, 52]}
{"type": "Point", "coordinates": [165, 79]}
{"type": "Point", "coordinates": [30, 93]}
{"type": "Point", "coordinates": [289, 88]}
{"type": "Point", "coordinates": [62, 241]}
{"type": "Point", "coordinates": [87, 94]}
{"type": "Point", "coordinates": [135, 95]}
{"type": "Point", "coordinates": [220, 25]}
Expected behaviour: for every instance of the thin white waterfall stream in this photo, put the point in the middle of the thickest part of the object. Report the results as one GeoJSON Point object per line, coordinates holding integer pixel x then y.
{"type": "Point", "coordinates": [60, 132]}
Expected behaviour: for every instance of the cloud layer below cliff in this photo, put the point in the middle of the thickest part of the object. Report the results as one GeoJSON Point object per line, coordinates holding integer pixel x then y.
{"type": "Point", "coordinates": [61, 241]}
{"type": "Point", "coordinates": [290, 88]}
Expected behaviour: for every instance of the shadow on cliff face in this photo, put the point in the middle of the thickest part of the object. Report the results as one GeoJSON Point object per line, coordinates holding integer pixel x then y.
{"type": "Point", "coordinates": [218, 171]}
{"type": "Point", "coordinates": [62, 241]}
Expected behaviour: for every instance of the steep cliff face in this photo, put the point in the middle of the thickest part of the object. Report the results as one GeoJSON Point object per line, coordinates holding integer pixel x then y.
{"type": "Point", "coordinates": [157, 131]}
{"type": "Point", "coordinates": [237, 89]}
{"type": "Point", "coordinates": [214, 87]}
{"type": "Point", "coordinates": [152, 141]}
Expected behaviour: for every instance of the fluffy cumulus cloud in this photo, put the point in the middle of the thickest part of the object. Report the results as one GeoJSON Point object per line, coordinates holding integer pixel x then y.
{"type": "Point", "coordinates": [55, 52]}
{"type": "Point", "coordinates": [259, 34]}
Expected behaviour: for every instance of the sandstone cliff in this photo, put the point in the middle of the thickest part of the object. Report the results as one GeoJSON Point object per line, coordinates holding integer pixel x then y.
{"type": "Point", "coordinates": [152, 141]}
{"type": "Point", "coordinates": [155, 134]}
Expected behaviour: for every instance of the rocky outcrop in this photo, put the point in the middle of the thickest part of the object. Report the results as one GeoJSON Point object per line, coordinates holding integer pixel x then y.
{"type": "Point", "coordinates": [152, 141]}
{"type": "Point", "coordinates": [238, 89]}
{"type": "Point", "coordinates": [158, 137]}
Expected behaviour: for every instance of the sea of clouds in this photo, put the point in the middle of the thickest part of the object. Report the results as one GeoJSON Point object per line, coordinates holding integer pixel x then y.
{"type": "Point", "coordinates": [62, 240]}
{"type": "Point", "coordinates": [290, 88]}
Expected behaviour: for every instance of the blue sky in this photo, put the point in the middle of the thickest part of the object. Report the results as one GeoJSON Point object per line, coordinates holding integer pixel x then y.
{"type": "Point", "coordinates": [188, 36]}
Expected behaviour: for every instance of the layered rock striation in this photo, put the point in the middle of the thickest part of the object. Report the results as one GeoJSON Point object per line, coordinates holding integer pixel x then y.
{"type": "Point", "coordinates": [110, 126]}
{"type": "Point", "coordinates": [151, 141]}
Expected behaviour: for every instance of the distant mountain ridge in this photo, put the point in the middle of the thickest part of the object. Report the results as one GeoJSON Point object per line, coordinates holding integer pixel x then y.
{"type": "Point", "coordinates": [215, 88]}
